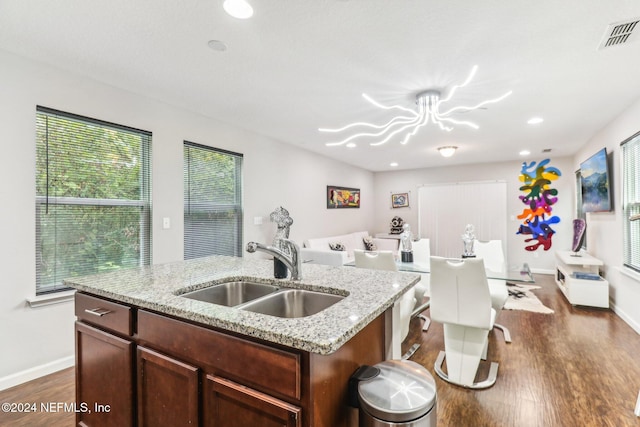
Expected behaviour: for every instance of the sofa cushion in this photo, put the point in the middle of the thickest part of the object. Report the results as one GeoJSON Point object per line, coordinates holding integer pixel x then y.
{"type": "Point", "coordinates": [337, 246]}
{"type": "Point", "coordinates": [350, 241]}
{"type": "Point", "coordinates": [369, 244]}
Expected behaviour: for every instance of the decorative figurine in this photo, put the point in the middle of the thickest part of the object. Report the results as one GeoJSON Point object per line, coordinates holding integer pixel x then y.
{"type": "Point", "coordinates": [396, 225]}
{"type": "Point", "coordinates": [406, 252]}
{"type": "Point", "coordinates": [579, 227]}
{"type": "Point", "coordinates": [282, 219]}
{"type": "Point", "coordinates": [468, 238]}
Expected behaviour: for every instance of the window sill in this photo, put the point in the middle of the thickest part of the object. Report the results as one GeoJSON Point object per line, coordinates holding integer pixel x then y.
{"type": "Point", "coordinates": [630, 273]}
{"type": "Point", "coordinates": [48, 299]}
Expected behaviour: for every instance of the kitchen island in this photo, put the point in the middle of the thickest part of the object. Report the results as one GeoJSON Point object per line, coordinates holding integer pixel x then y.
{"type": "Point", "coordinates": [149, 355]}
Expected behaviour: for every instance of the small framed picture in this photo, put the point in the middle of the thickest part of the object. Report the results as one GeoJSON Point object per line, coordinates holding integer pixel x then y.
{"type": "Point", "coordinates": [400, 200]}
{"type": "Point", "coordinates": [342, 197]}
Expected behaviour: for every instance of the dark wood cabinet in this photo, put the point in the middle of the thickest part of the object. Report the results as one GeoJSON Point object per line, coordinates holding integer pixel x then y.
{"type": "Point", "coordinates": [228, 404]}
{"type": "Point", "coordinates": [104, 378]}
{"type": "Point", "coordinates": [168, 391]}
{"type": "Point", "coordinates": [151, 369]}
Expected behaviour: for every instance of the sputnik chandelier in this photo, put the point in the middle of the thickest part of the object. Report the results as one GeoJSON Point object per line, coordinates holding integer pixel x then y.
{"type": "Point", "coordinates": [430, 109]}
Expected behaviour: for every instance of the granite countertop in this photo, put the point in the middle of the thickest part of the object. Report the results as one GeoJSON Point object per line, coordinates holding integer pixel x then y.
{"type": "Point", "coordinates": [368, 294]}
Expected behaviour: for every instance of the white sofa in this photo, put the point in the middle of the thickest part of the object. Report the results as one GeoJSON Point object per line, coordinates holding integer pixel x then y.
{"type": "Point", "coordinates": [318, 251]}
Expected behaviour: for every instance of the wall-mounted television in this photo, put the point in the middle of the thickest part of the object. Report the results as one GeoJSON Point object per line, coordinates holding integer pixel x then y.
{"type": "Point", "coordinates": [596, 189]}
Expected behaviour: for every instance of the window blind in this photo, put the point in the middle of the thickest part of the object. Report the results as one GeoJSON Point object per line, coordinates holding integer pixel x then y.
{"type": "Point", "coordinates": [631, 201]}
{"type": "Point", "coordinates": [212, 202]}
{"type": "Point", "coordinates": [93, 210]}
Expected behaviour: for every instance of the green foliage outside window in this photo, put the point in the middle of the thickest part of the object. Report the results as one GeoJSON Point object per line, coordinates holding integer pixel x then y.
{"type": "Point", "coordinates": [92, 197]}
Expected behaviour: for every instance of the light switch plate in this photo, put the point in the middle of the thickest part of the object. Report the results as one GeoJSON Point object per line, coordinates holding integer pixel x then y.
{"type": "Point", "coordinates": [166, 223]}
{"type": "Point", "coordinates": [257, 220]}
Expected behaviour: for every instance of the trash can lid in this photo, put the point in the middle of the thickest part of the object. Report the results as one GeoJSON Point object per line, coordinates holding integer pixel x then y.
{"type": "Point", "coordinates": [403, 391]}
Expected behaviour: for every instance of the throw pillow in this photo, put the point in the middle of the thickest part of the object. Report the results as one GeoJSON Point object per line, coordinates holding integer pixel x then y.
{"type": "Point", "coordinates": [368, 244]}
{"type": "Point", "coordinates": [337, 246]}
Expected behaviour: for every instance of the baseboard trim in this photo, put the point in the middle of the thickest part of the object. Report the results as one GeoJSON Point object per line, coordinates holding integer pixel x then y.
{"type": "Point", "coordinates": [36, 372]}
{"type": "Point", "coordinates": [627, 319]}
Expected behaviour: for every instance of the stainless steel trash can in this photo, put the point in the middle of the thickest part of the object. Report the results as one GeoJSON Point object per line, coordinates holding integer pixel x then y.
{"type": "Point", "coordinates": [403, 394]}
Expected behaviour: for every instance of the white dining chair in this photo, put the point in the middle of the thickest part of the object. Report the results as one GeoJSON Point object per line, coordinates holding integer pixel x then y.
{"type": "Point", "coordinates": [493, 256]}
{"type": "Point", "coordinates": [421, 255]}
{"type": "Point", "coordinates": [384, 260]}
{"type": "Point", "coordinates": [460, 300]}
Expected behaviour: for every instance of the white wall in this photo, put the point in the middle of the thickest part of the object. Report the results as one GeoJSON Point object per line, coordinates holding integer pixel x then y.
{"type": "Point", "coordinates": [604, 230]}
{"type": "Point", "coordinates": [409, 181]}
{"type": "Point", "coordinates": [274, 174]}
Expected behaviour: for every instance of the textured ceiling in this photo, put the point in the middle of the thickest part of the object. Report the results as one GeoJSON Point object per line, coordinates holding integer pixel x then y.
{"type": "Point", "coordinates": [304, 64]}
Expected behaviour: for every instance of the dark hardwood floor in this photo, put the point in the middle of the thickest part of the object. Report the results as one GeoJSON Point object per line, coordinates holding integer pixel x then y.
{"type": "Point", "coordinates": [576, 367]}
{"type": "Point", "coordinates": [58, 387]}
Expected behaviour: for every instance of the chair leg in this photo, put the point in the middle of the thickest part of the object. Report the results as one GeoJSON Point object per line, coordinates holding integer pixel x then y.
{"type": "Point", "coordinates": [505, 332]}
{"type": "Point", "coordinates": [491, 378]}
{"type": "Point", "coordinates": [427, 322]}
{"type": "Point", "coordinates": [464, 348]}
{"type": "Point", "coordinates": [411, 351]}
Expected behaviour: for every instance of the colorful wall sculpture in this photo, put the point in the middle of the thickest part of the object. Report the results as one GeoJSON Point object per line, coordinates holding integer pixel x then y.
{"type": "Point", "coordinates": [538, 199]}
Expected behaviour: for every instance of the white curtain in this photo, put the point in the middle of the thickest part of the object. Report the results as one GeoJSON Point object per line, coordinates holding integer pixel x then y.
{"type": "Point", "coordinates": [445, 210]}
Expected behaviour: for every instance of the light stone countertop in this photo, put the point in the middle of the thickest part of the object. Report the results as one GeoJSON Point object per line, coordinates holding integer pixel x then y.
{"type": "Point", "coordinates": [369, 293]}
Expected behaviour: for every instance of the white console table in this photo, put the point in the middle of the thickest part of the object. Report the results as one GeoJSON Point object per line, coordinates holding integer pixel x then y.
{"type": "Point", "coordinates": [594, 293]}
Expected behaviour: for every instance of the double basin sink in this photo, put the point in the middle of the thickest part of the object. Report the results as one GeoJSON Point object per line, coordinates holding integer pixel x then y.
{"type": "Point", "coordinates": [265, 299]}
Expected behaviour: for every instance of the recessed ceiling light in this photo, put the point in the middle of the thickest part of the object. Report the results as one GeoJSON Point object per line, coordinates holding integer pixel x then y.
{"type": "Point", "coordinates": [238, 8]}
{"type": "Point", "coordinates": [535, 120]}
{"type": "Point", "coordinates": [393, 164]}
{"type": "Point", "coordinates": [351, 145]}
{"type": "Point", "coordinates": [447, 151]}
{"type": "Point", "coordinates": [217, 45]}
{"type": "Point", "coordinates": [525, 152]}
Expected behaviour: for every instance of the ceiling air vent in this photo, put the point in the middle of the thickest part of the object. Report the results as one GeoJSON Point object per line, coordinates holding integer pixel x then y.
{"type": "Point", "coordinates": [620, 33]}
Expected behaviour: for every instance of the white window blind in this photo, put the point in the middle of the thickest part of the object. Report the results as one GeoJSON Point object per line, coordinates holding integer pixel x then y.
{"type": "Point", "coordinates": [92, 197]}
{"type": "Point", "coordinates": [631, 201]}
{"type": "Point", "coordinates": [212, 202]}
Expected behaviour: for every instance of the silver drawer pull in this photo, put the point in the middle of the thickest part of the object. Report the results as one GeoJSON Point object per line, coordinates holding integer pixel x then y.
{"type": "Point", "coordinates": [97, 311]}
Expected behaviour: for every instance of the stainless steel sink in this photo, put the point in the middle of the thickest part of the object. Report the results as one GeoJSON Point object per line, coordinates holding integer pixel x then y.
{"type": "Point", "coordinates": [292, 303]}
{"type": "Point", "coordinates": [232, 293]}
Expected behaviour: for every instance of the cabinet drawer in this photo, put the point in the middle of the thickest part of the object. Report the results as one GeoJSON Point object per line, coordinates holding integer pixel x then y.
{"type": "Point", "coordinates": [263, 367]}
{"type": "Point", "coordinates": [107, 314]}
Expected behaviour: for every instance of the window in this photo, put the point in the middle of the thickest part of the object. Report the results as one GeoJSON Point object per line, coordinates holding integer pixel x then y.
{"type": "Point", "coordinates": [631, 201]}
{"type": "Point", "coordinates": [92, 197]}
{"type": "Point", "coordinates": [212, 202]}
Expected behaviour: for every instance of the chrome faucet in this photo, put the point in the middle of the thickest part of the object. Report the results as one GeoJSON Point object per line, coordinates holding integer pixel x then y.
{"type": "Point", "coordinates": [293, 261]}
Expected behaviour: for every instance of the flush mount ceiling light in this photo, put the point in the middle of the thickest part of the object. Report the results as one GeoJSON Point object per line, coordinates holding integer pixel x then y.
{"type": "Point", "coordinates": [430, 109]}
{"type": "Point", "coordinates": [238, 8]}
{"type": "Point", "coordinates": [447, 151]}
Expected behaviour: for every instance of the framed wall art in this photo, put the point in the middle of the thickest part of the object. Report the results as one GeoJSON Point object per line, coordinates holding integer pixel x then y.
{"type": "Point", "coordinates": [342, 197]}
{"type": "Point", "coordinates": [400, 200]}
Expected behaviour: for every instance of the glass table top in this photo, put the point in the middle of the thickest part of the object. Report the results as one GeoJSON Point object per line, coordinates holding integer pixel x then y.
{"type": "Point", "coordinates": [521, 274]}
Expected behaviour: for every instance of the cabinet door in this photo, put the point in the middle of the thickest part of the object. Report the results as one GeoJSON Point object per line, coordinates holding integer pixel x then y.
{"type": "Point", "coordinates": [167, 391]}
{"type": "Point", "coordinates": [228, 404]}
{"type": "Point", "coordinates": [104, 378]}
